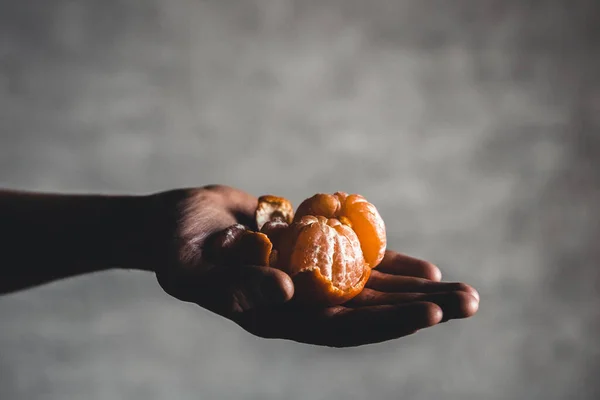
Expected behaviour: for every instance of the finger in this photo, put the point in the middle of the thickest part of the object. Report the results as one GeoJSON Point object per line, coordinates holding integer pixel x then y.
{"type": "Point", "coordinates": [355, 327]}
{"type": "Point", "coordinates": [454, 305]}
{"type": "Point", "coordinates": [402, 284]}
{"type": "Point", "coordinates": [400, 264]}
{"type": "Point", "coordinates": [232, 291]}
{"type": "Point", "coordinates": [256, 286]}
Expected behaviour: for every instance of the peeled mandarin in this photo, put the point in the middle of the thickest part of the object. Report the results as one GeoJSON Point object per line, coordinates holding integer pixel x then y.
{"type": "Point", "coordinates": [355, 211]}
{"type": "Point", "coordinates": [330, 247]}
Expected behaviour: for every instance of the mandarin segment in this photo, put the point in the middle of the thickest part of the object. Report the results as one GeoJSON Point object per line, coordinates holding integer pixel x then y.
{"type": "Point", "coordinates": [326, 205]}
{"type": "Point", "coordinates": [368, 225]}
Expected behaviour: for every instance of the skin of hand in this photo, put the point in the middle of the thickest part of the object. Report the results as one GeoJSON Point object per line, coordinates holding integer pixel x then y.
{"type": "Point", "coordinates": [402, 296]}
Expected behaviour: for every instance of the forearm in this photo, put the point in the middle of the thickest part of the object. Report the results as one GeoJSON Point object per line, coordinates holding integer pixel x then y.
{"type": "Point", "coordinates": [45, 237]}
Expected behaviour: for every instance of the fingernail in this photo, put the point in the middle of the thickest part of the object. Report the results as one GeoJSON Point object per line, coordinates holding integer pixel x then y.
{"type": "Point", "coordinates": [463, 287]}
{"type": "Point", "coordinates": [475, 294]}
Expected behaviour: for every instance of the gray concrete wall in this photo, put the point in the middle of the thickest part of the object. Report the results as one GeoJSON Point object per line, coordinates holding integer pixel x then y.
{"type": "Point", "coordinates": [472, 125]}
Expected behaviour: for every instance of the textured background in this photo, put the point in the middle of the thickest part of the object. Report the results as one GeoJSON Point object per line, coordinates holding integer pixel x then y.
{"type": "Point", "coordinates": [473, 125]}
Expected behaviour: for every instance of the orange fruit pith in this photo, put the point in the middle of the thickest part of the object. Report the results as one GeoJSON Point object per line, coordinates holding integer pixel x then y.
{"type": "Point", "coordinates": [329, 248]}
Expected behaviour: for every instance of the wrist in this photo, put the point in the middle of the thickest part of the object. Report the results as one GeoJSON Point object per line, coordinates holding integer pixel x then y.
{"type": "Point", "coordinates": [132, 234]}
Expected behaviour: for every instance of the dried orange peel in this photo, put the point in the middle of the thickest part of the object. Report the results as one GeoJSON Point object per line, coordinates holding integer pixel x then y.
{"type": "Point", "coordinates": [273, 208]}
{"type": "Point", "coordinates": [328, 247]}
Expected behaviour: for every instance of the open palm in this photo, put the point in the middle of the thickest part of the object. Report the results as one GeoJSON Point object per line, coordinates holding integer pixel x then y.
{"type": "Point", "coordinates": [402, 295]}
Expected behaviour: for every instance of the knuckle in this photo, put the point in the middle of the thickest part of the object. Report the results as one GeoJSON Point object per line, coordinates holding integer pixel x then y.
{"type": "Point", "coordinates": [217, 188]}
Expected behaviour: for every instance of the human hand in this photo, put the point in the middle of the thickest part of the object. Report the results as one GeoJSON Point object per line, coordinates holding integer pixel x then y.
{"type": "Point", "coordinates": [402, 296]}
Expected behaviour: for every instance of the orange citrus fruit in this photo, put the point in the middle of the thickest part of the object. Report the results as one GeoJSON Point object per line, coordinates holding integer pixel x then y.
{"type": "Point", "coordinates": [329, 248]}
{"type": "Point", "coordinates": [354, 211]}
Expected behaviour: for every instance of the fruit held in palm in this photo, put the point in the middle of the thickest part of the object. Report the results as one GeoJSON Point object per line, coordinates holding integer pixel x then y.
{"type": "Point", "coordinates": [355, 212]}
{"type": "Point", "coordinates": [329, 248]}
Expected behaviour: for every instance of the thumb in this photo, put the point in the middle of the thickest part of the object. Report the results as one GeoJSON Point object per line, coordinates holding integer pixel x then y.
{"type": "Point", "coordinates": [251, 287]}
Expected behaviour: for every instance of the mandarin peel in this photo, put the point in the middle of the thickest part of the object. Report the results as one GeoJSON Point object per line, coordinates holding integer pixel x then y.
{"type": "Point", "coordinates": [273, 208]}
